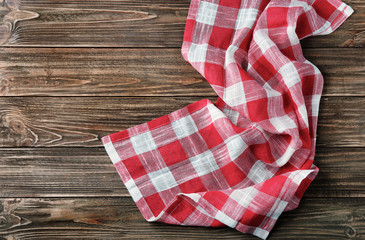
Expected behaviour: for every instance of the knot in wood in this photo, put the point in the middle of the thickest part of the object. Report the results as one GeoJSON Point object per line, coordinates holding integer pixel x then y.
{"type": "Point", "coordinates": [13, 121]}
{"type": "Point", "coordinates": [2, 221]}
{"type": "Point", "coordinates": [350, 231]}
{"type": "Point", "coordinates": [4, 85]}
{"type": "Point", "coordinates": [17, 126]}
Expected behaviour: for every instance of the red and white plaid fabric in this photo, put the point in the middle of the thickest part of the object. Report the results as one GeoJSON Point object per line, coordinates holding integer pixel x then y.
{"type": "Point", "coordinates": [242, 161]}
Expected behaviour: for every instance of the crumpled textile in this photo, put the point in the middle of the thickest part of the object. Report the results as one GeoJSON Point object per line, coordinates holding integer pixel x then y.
{"type": "Point", "coordinates": [244, 160]}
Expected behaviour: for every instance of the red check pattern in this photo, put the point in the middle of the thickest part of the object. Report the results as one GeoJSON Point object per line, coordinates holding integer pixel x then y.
{"type": "Point", "coordinates": [242, 161]}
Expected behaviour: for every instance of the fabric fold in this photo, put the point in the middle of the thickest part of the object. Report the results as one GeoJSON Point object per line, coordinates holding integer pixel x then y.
{"type": "Point", "coordinates": [244, 160]}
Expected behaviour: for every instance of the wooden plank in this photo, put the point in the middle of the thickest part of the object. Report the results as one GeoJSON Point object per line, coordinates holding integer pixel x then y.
{"type": "Point", "coordinates": [98, 72]}
{"type": "Point", "coordinates": [82, 121]}
{"type": "Point", "coordinates": [119, 218]}
{"type": "Point", "coordinates": [80, 172]}
{"type": "Point", "coordinates": [130, 24]}
{"type": "Point", "coordinates": [144, 72]}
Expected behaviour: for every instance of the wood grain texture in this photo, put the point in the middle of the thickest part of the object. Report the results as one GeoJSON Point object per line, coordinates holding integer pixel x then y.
{"type": "Point", "coordinates": [98, 72]}
{"type": "Point", "coordinates": [118, 218]}
{"type": "Point", "coordinates": [144, 72]}
{"type": "Point", "coordinates": [10, 15]}
{"type": "Point", "coordinates": [82, 121]}
{"type": "Point", "coordinates": [74, 71]}
{"type": "Point", "coordinates": [80, 172]}
{"type": "Point", "coordinates": [137, 24]}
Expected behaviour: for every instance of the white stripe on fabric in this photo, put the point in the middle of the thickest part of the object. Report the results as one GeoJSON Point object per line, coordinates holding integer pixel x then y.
{"type": "Point", "coordinates": [162, 179]}
{"type": "Point", "coordinates": [133, 190]}
{"type": "Point", "coordinates": [315, 104]}
{"type": "Point", "coordinates": [283, 123]}
{"type": "Point", "coordinates": [231, 50]}
{"type": "Point", "coordinates": [279, 208]}
{"type": "Point", "coordinates": [184, 127]}
{"type": "Point", "coordinates": [259, 173]}
{"type": "Point", "coordinates": [215, 113]}
{"type": "Point", "coordinates": [303, 113]}
{"type": "Point", "coordinates": [234, 95]}
{"type": "Point", "coordinates": [220, 216]}
{"type": "Point", "coordinates": [143, 143]}
{"type": "Point", "coordinates": [290, 74]}
{"type": "Point", "coordinates": [197, 52]}
{"type": "Point", "coordinates": [246, 18]}
{"type": "Point", "coordinates": [113, 155]}
{"type": "Point", "coordinates": [244, 196]}
{"type": "Point", "coordinates": [206, 13]}
{"type": "Point", "coordinates": [261, 233]}
{"type": "Point", "coordinates": [262, 40]}
{"type": "Point", "coordinates": [285, 157]}
{"type": "Point", "coordinates": [204, 163]}
{"type": "Point", "coordinates": [236, 146]}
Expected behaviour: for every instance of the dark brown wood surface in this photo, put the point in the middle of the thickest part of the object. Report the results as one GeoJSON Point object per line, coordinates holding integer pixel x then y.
{"type": "Point", "coordinates": [158, 23]}
{"type": "Point", "coordinates": [74, 71]}
{"type": "Point", "coordinates": [145, 72]}
{"type": "Point", "coordinates": [82, 121]}
{"type": "Point", "coordinates": [70, 172]}
{"type": "Point", "coordinates": [117, 218]}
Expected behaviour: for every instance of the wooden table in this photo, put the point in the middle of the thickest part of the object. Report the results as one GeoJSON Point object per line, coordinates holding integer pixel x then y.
{"type": "Point", "coordinates": [74, 71]}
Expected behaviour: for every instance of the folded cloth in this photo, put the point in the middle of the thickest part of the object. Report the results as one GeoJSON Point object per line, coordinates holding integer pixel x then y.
{"type": "Point", "coordinates": [242, 161]}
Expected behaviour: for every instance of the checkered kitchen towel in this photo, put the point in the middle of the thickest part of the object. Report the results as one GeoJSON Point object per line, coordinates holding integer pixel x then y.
{"type": "Point", "coordinates": [242, 161]}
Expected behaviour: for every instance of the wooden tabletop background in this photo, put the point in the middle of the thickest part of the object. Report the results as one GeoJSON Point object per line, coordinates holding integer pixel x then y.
{"type": "Point", "coordinates": [72, 72]}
